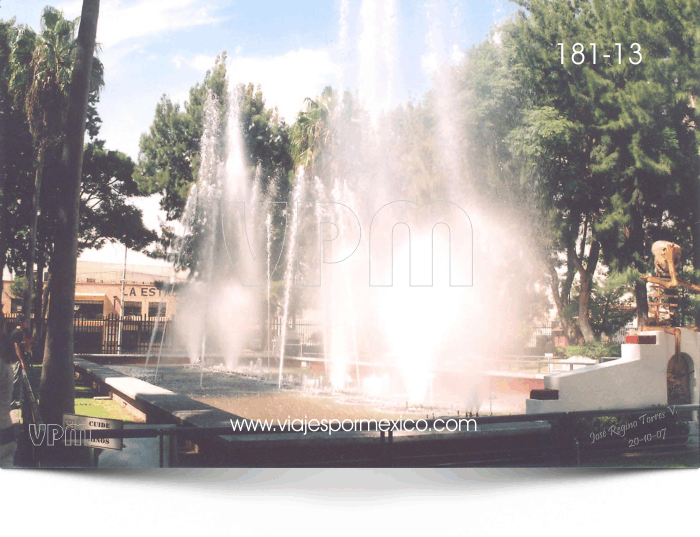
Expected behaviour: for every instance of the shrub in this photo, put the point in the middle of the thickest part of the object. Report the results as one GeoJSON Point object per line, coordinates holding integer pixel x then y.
{"type": "Point", "coordinates": [596, 350]}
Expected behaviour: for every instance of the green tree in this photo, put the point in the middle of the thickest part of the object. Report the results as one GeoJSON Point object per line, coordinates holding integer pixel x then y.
{"type": "Point", "coordinates": [266, 138]}
{"type": "Point", "coordinates": [612, 305]}
{"type": "Point", "coordinates": [648, 140]}
{"type": "Point", "coordinates": [169, 151]}
{"type": "Point", "coordinates": [311, 136]}
{"type": "Point", "coordinates": [41, 67]}
{"type": "Point", "coordinates": [514, 157]}
{"type": "Point", "coordinates": [607, 140]}
{"type": "Point", "coordinates": [556, 142]}
{"type": "Point", "coordinates": [105, 214]}
{"type": "Point", "coordinates": [107, 175]}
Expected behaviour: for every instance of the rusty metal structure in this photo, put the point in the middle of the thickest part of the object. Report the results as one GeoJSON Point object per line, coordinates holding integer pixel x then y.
{"type": "Point", "coordinates": [663, 306]}
{"type": "Point", "coordinates": [663, 296]}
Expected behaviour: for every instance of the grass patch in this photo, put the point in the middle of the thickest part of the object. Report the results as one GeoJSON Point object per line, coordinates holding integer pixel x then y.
{"type": "Point", "coordinates": [102, 409]}
{"type": "Point", "coordinates": [85, 404]}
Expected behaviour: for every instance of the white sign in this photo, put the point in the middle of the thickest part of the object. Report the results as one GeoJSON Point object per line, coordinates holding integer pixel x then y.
{"type": "Point", "coordinates": [78, 429]}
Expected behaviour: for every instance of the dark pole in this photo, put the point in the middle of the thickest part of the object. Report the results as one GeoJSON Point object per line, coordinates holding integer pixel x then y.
{"type": "Point", "coordinates": [57, 382]}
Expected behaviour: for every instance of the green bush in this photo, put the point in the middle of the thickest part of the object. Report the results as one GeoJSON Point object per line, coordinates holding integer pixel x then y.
{"type": "Point", "coordinates": [596, 350]}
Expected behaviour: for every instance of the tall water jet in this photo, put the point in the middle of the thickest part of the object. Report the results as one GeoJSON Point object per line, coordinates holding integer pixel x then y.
{"type": "Point", "coordinates": [289, 272]}
{"type": "Point", "coordinates": [386, 342]}
{"type": "Point", "coordinates": [199, 197]}
{"type": "Point", "coordinates": [377, 50]}
{"type": "Point", "coordinates": [410, 330]}
{"type": "Point", "coordinates": [219, 306]}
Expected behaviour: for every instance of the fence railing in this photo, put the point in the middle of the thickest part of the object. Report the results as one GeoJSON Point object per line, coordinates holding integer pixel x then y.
{"type": "Point", "coordinates": [543, 364]}
{"type": "Point", "coordinates": [566, 445]}
{"type": "Point", "coordinates": [112, 335]}
{"type": "Point", "coordinates": [539, 332]}
{"type": "Point", "coordinates": [300, 332]}
{"type": "Point", "coordinates": [133, 334]}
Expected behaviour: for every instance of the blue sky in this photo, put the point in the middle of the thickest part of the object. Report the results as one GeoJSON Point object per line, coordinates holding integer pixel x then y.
{"type": "Point", "coordinates": [292, 48]}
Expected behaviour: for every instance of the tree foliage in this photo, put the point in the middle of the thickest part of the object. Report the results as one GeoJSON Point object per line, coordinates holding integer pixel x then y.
{"type": "Point", "coordinates": [35, 71]}
{"type": "Point", "coordinates": [613, 145]}
{"type": "Point", "coordinates": [170, 151]}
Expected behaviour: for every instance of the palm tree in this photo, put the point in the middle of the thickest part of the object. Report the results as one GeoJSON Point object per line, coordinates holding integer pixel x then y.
{"type": "Point", "coordinates": [57, 392]}
{"type": "Point", "coordinates": [41, 67]}
{"type": "Point", "coordinates": [311, 134]}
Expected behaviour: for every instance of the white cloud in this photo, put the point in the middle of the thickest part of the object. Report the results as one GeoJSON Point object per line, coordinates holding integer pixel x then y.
{"type": "Point", "coordinates": [201, 62]}
{"type": "Point", "coordinates": [123, 21]}
{"type": "Point", "coordinates": [288, 79]}
{"type": "Point", "coordinates": [429, 62]}
{"type": "Point", "coordinates": [457, 55]}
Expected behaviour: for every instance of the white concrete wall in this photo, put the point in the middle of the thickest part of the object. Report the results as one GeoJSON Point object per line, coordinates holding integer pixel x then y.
{"type": "Point", "coordinates": [637, 379]}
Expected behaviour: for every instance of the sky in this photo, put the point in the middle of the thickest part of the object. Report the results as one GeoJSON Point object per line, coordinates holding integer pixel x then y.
{"type": "Point", "coordinates": [291, 48]}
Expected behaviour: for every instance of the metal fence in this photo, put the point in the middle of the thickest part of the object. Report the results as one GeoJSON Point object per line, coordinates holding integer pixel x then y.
{"type": "Point", "coordinates": [133, 334]}
{"type": "Point", "coordinates": [568, 442]}
{"type": "Point", "coordinates": [539, 332]}
{"type": "Point", "coordinates": [306, 332]}
{"type": "Point", "coordinates": [112, 335]}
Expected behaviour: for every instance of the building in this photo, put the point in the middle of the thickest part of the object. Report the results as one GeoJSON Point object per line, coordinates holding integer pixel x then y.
{"type": "Point", "coordinates": [98, 291]}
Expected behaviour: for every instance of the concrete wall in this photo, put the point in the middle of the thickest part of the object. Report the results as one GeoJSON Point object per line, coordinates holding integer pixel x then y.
{"type": "Point", "coordinates": [637, 379]}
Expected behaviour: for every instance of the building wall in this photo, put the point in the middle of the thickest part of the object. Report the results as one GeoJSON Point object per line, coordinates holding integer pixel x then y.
{"type": "Point", "coordinates": [96, 281]}
{"type": "Point", "coordinates": [141, 293]}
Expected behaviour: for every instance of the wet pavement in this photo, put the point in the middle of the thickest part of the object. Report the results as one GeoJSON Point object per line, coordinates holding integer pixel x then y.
{"type": "Point", "coordinates": [252, 392]}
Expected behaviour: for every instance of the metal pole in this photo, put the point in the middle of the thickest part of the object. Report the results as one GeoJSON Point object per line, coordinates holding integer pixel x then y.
{"type": "Point", "coordinates": [121, 304]}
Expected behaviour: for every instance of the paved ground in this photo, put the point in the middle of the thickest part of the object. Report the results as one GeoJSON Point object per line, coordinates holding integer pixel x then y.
{"type": "Point", "coordinates": [254, 394]}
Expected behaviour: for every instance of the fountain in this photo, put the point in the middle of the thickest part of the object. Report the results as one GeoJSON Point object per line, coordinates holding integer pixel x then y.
{"type": "Point", "coordinates": [425, 339]}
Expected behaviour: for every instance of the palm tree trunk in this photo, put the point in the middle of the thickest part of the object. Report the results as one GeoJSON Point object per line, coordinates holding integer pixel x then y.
{"type": "Point", "coordinates": [27, 305]}
{"type": "Point", "coordinates": [57, 387]}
